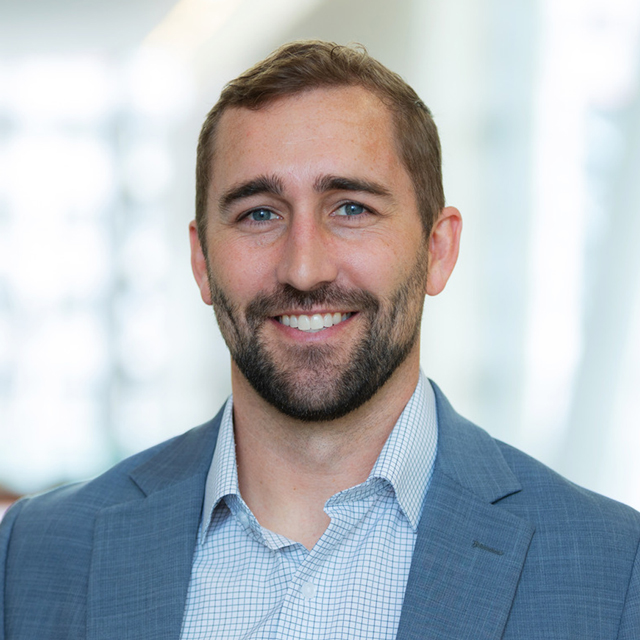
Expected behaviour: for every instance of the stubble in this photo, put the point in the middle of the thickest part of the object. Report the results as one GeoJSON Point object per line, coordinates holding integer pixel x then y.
{"type": "Point", "coordinates": [323, 382]}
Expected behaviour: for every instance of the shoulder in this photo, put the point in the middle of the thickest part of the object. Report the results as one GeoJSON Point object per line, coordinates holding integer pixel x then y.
{"type": "Point", "coordinates": [580, 560]}
{"type": "Point", "coordinates": [583, 562]}
{"type": "Point", "coordinates": [541, 481]}
{"type": "Point", "coordinates": [577, 534]}
{"type": "Point", "coordinates": [562, 500]}
{"type": "Point", "coordinates": [505, 476]}
{"type": "Point", "coordinates": [567, 518]}
{"type": "Point", "coordinates": [111, 487]}
{"type": "Point", "coordinates": [68, 512]}
{"type": "Point", "coordinates": [47, 541]}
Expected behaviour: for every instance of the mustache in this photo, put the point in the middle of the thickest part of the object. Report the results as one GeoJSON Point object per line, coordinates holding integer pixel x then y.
{"type": "Point", "coordinates": [329, 295]}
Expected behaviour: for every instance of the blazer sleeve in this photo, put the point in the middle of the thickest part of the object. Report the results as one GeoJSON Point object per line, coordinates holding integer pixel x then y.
{"type": "Point", "coordinates": [630, 623]}
{"type": "Point", "coordinates": [6, 527]}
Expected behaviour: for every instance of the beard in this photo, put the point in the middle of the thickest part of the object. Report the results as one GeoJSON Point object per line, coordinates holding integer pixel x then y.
{"type": "Point", "coordinates": [321, 382]}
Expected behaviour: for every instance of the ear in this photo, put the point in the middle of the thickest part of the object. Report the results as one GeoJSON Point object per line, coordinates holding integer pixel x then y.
{"type": "Point", "coordinates": [444, 243]}
{"type": "Point", "coordinates": [199, 263]}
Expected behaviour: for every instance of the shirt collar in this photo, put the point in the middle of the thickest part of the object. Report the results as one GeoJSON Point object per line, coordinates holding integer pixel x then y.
{"type": "Point", "coordinates": [406, 460]}
{"type": "Point", "coordinates": [222, 479]}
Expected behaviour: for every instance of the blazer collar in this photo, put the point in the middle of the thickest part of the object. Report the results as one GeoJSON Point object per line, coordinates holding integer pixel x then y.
{"type": "Point", "coordinates": [469, 456]}
{"type": "Point", "coordinates": [186, 456]}
{"type": "Point", "coordinates": [470, 551]}
{"type": "Point", "coordinates": [143, 548]}
{"type": "Point", "coordinates": [467, 561]}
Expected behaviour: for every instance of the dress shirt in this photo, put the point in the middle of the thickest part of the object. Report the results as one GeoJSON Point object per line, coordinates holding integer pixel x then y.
{"type": "Point", "coordinates": [249, 582]}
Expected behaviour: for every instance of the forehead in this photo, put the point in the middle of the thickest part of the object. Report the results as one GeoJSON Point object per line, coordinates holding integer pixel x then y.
{"type": "Point", "coordinates": [332, 130]}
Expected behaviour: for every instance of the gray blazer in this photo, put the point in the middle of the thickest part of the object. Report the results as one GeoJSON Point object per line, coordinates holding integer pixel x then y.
{"type": "Point", "coordinates": [506, 548]}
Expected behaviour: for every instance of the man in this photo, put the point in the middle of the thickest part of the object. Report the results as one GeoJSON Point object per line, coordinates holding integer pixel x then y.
{"type": "Point", "coordinates": [337, 495]}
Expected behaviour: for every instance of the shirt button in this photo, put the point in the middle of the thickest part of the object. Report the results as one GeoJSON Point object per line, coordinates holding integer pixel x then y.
{"type": "Point", "coordinates": [308, 590]}
{"type": "Point", "coordinates": [243, 518]}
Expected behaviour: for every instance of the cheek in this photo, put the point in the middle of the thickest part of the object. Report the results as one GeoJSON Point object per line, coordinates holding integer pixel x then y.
{"type": "Point", "coordinates": [242, 271]}
{"type": "Point", "coordinates": [381, 267]}
{"type": "Point", "coordinates": [368, 268]}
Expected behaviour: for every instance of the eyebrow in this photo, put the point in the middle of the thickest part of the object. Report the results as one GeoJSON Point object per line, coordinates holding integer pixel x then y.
{"type": "Point", "coordinates": [261, 184]}
{"type": "Point", "coordinates": [274, 185]}
{"type": "Point", "coordinates": [337, 183]}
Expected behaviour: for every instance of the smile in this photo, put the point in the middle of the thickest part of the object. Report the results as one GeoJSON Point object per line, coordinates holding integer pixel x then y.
{"type": "Point", "coordinates": [316, 322]}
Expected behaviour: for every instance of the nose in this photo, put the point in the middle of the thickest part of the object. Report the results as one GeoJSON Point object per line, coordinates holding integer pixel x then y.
{"type": "Point", "coordinates": [307, 261]}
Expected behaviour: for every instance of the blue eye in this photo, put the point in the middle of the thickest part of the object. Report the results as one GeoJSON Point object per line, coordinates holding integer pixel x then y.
{"type": "Point", "coordinates": [352, 209]}
{"type": "Point", "coordinates": [261, 215]}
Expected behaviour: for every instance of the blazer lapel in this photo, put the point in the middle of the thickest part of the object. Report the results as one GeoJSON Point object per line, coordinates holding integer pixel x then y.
{"type": "Point", "coordinates": [143, 549]}
{"type": "Point", "coordinates": [469, 551]}
{"type": "Point", "coordinates": [466, 564]}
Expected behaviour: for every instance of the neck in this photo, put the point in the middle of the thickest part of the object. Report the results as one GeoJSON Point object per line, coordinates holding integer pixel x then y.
{"type": "Point", "coordinates": [288, 469]}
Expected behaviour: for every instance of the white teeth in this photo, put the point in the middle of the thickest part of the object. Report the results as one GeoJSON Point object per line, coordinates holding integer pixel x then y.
{"type": "Point", "coordinates": [317, 322]}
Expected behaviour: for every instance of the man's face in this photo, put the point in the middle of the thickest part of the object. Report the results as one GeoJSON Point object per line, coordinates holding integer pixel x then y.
{"type": "Point", "coordinates": [313, 221]}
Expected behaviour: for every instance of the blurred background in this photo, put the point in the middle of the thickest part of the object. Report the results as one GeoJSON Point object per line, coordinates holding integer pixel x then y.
{"type": "Point", "coordinates": [105, 345]}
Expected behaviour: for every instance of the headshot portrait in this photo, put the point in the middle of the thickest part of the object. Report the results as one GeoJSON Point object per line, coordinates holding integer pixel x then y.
{"type": "Point", "coordinates": [398, 402]}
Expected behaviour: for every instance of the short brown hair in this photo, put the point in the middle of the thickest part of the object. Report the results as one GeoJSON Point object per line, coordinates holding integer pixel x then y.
{"type": "Point", "coordinates": [310, 64]}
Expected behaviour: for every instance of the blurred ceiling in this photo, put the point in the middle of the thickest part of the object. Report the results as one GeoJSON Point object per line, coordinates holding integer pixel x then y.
{"type": "Point", "coordinates": [76, 26]}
